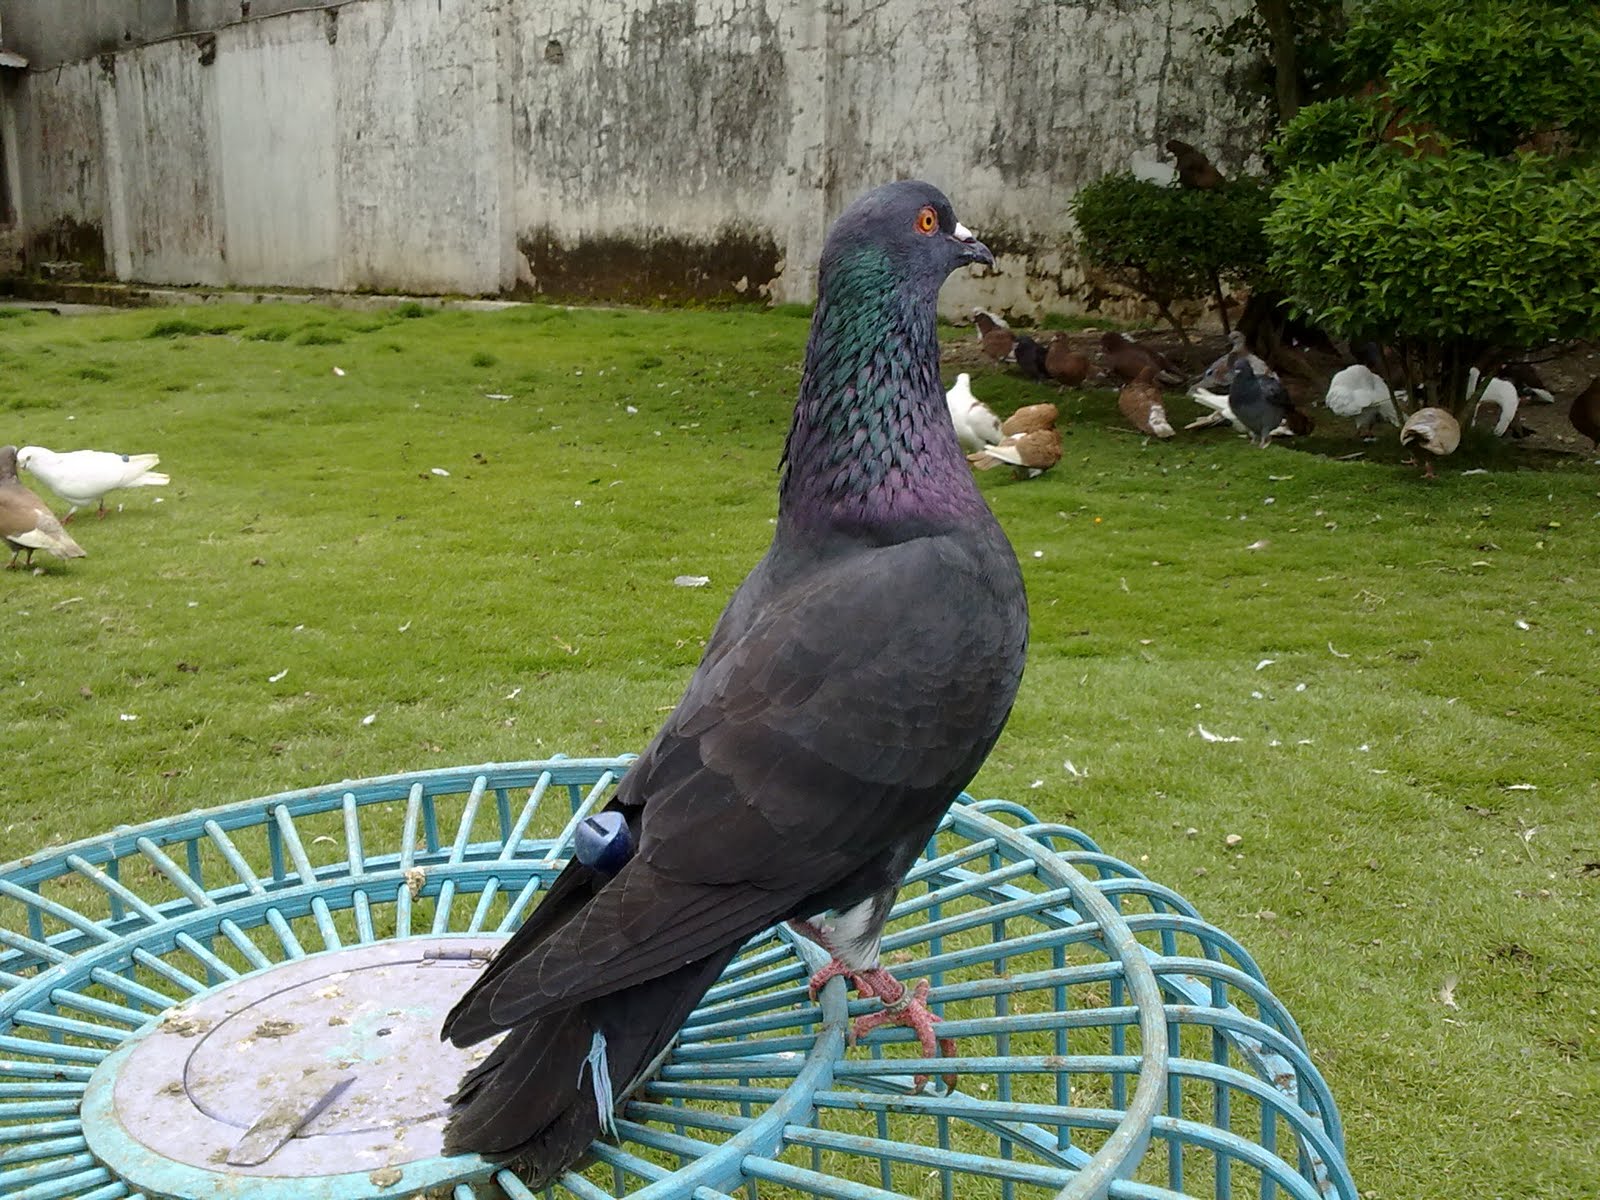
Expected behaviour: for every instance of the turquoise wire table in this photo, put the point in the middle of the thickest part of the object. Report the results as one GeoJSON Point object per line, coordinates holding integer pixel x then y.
{"type": "Point", "coordinates": [169, 990]}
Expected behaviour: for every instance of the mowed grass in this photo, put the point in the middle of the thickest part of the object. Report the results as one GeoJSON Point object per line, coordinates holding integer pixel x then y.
{"type": "Point", "coordinates": [1414, 778]}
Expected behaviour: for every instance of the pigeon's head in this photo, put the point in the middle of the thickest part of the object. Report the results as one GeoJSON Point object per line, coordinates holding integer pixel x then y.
{"type": "Point", "coordinates": [1111, 341]}
{"type": "Point", "coordinates": [907, 227]}
{"type": "Point", "coordinates": [23, 458]}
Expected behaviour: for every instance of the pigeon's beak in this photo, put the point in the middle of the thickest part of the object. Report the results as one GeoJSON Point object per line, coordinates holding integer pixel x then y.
{"type": "Point", "coordinates": [971, 249]}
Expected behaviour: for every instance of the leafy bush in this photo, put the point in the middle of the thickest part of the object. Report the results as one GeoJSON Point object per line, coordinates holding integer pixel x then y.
{"type": "Point", "coordinates": [1327, 131]}
{"type": "Point", "coordinates": [1487, 73]}
{"type": "Point", "coordinates": [1171, 244]}
{"type": "Point", "coordinates": [1457, 258]}
{"type": "Point", "coordinates": [1459, 222]}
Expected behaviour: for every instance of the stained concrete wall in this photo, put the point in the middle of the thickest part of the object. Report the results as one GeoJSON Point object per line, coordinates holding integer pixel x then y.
{"type": "Point", "coordinates": [621, 148]}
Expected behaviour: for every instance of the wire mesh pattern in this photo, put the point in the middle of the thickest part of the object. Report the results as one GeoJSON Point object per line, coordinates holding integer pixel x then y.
{"type": "Point", "coordinates": [1109, 1042]}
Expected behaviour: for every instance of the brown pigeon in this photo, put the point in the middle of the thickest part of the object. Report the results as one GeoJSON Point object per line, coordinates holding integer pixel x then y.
{"type": "Point", "coordinates": [1194, 168]}
{"type": "Point", "coordinates": [26, 523]}
{"type": "Point", "coordinates": [1140, 402]}
{"type": "Point", "coordinates": [1585, 414]}
{"type": "Point", "coordinates": [1436, 430]}
{"type": "Point", "coordinates": [1125, 360]}
{"type": "Point", "coordinates": [1028, 418]}
{"type": "Point", "coordinates": [994, 336]}
{"type": "Point", "coordinates": [1027, 454]}
{"type": "Point", "coordinates": [1064, 364]}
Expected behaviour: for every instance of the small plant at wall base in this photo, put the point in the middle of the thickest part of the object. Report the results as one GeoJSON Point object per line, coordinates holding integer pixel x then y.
{"type": "Point", "coordinates": [1447, 206]}
{"type": "Point", "coordinates": [1173, 244]}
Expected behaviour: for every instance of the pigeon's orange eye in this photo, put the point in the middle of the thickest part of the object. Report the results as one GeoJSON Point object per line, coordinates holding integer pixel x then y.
{"type": "Point", "coordinates": [927, 220]}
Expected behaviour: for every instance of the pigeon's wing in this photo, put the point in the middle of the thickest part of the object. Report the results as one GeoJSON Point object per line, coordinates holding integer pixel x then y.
{"type": "Point", "coordinates": [982, 422]}
{"type": "Point", "coordinates": [26, 521]}
{"type": "Point", "coordinates": [842, 710]}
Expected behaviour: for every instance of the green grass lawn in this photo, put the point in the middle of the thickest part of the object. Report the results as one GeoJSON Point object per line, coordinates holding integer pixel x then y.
{"type": "Point", "coordinates": [1411, 671]}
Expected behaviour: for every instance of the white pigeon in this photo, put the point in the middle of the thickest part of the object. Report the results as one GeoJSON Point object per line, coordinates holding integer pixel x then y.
{"type": "Point", "coordinates": [1145, 163]}
{"type": "Point", "coordinates": [1221, 413]}
{"type": "Point", "coordinates": [1500, 392]}
{"type": "Point", "coordinates": [975, 422]}
{"type": "Point", "coordinates": [82, 477]}
{"type": "Point", "coordinates": [1360, 393]}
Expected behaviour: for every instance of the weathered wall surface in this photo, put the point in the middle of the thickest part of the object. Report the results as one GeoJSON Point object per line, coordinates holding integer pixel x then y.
{"type": "Point", "coordinates": [621, 148]}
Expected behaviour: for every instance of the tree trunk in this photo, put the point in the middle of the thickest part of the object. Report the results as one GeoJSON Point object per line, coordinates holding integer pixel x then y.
{"type": "Point", "coordinates": [1280, 28]}
{"type": "Point", "coordinates": [1222, 302]}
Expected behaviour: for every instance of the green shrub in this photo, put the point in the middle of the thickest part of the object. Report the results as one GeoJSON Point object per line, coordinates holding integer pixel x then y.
{"type": "Point", "coordinates": [1488, 73]}
{"type": "Point", "coordinates": [1456, 257]}
{"type": "Point", "coordinates": [1171, 244]}
{"type": "Point", "coordinates": [1327, 131]}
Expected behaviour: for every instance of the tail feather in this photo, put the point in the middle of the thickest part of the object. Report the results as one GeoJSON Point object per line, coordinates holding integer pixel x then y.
{"type": "Point", "coordinates": [535, 1098]}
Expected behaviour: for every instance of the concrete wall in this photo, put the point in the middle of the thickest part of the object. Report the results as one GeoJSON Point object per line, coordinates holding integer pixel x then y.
{"type": "Point", "coordinates": [616, 148]}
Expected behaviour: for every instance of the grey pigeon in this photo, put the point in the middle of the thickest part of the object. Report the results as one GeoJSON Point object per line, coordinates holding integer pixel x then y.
{"type": "Point", "coordinates": [26, 522]}
{"type": "Point", "coordinates": [1260, 403]}
{"type": "Point", "coordinates": [852, 687]}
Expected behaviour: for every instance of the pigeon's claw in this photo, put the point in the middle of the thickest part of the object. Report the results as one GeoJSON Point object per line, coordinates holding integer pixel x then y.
{"type": "Point", "coordinates": [908, 1007]}
{"type": "Point", "coordinates": [833, 970]}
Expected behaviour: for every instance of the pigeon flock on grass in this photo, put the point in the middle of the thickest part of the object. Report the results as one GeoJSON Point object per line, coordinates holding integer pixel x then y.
{"type": "Point", "coordinates": [1242, 391]}
{"type": "Point", "coordinates": [851, 688]}
{"type": "Point", "coordinates": [1264, 401]}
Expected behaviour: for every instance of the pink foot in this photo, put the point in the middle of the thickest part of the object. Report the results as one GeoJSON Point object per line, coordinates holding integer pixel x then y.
{"type": "Point", "coordinates": [900, 1007]}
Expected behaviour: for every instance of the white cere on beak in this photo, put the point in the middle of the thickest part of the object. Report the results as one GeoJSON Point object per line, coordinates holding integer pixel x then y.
{"type": "Point", "coordinates": [963, 234]}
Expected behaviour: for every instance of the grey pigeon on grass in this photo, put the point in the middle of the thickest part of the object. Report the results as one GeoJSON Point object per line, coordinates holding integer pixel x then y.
{"type": "Point", "coordinates": [852, 687]}
{"type": "Point", "coordinates": [26, 522]}
{"type": "Point", "coordinates": [1259, 403]}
